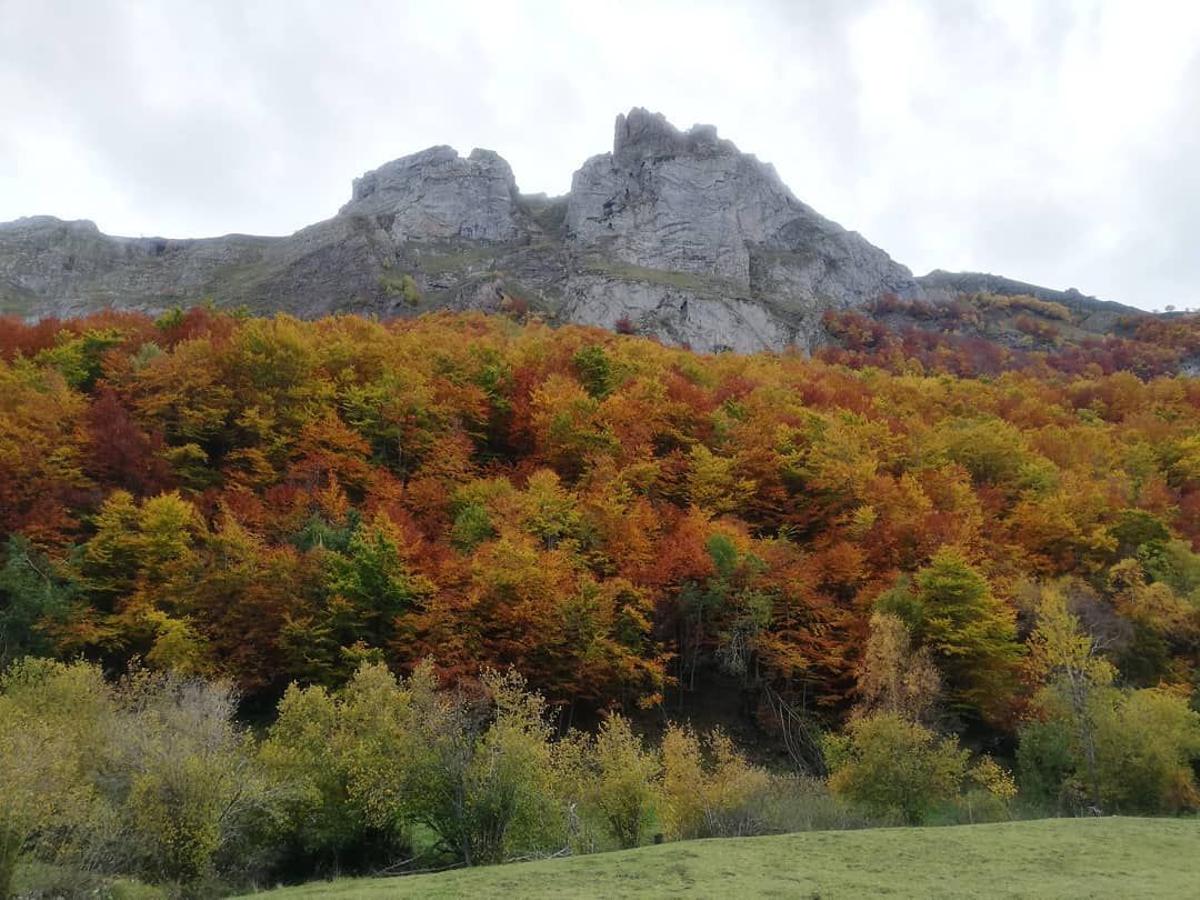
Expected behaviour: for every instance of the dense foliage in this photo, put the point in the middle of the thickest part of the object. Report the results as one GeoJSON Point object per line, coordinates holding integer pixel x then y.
{"type": "Point", "coordinates": [268, 502]}
{"type": "Point", "coordinates": [153, 777]}
{"type": "Point", "coordinates": [986, 334]}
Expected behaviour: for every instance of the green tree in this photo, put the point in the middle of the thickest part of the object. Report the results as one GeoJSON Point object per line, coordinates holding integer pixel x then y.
{"type": "Point", "coordinates": [1066, 659]}
{"type": "Point", "coordinates": [109, 561]}
{"type": "Point", "coordinates": [971, 633]}
{"type": "Point", "coordinates": [79, 356]}
{"type": "Point", "coordinates": [130, 568]}
{"type": "Point", "coordinates": [375, 582]}
{"type": "Point", "coordinates": [472, 526]}
{"type": "Point", "coordinates": [594, 369]}
{"type": "Point", "coordinates": [33, 594]}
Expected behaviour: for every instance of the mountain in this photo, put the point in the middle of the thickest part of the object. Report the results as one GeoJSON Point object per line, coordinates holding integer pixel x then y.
{"type": "Point", "coordinates": [673, 234]}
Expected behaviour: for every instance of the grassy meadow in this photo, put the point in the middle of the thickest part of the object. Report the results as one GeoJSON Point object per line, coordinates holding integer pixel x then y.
{"type": "Point", "coordinates": [1095, 858]}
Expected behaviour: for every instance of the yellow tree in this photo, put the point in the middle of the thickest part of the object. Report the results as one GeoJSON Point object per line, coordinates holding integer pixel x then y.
{"type": "Point", "coordinates": [1066, 659]}
{"type": "Point", "coordinates": [894, 677]}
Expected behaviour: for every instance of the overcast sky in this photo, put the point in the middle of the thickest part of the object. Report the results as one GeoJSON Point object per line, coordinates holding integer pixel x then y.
{"type": "Point", "coordinates": [1053, 141]}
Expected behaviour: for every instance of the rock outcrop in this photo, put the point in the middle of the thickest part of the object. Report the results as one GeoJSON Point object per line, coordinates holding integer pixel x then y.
{"type": "Point", "coordinates": [674, 234]}
{"type": "Point", "coordinates": [690, 202]}
{"type": "Point", "coordinates": [701, 243]}
{"type": "Point", "coordinates": [436, 194]}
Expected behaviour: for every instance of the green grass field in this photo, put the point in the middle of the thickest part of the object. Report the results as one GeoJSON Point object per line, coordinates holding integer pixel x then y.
{"type": "Point", "coordinates": [1074, 858]}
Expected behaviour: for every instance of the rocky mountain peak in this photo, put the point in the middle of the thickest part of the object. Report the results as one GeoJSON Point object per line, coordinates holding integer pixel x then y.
{"type": "Point", "coordinates": [672, 233]}
{"type": "Point", "coordinates": [437, 194]}
{"type": "Point", "coordinates": [643, 134]}
{"type": "Point", "coordinates": [690, 202]}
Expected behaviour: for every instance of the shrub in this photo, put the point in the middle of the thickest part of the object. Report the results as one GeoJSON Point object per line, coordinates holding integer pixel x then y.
{"type": "Point", "coordinates": [988, 795]}
{"type": "Point", "coordinates": [184, 776]}
{"type": "Point", "coordinates": [1146, 742]}
{"type": "Point", "coordinates": [49, 881]}
{"type": "Point", "coordinates": [514, 305]}
{"type": "Point", "coordinates": [150, 776]}
{"type": "Point", "coordinates": [895, 767]}
{"type": "Point", "coordinates": [1045, 308]}
{"type": "Point", "coordinates": [717, 797]}
{"type": "Point", "coordinates": [1038, 330]}
{"type": "Point", "coordinates": [404, 287]}
{"type": "Point", "coordinates": [1046, 764]}
{"type": "Point", "coordinates": [1127, 751]}
{"type": "Point", "coordinates": [612, 779]}
{"type": "Point", "coordinates": [48, 713]}
{"type": "Point", "coordinates": [510, 803]}
{"type": "Point", "coordinates": [385, 755]}
{"type": "Point", "coordinates": [311, 757]}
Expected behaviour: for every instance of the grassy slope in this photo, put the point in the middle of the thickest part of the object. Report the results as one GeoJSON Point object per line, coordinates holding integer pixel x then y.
{"type": "Point", "coordinates": [1115, 857]}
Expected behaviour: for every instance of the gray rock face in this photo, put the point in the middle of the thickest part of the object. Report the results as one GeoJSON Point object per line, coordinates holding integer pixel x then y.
{"type": "Point", "coordinates": [678, 315]}
{"type": "Point", "coordinates": [678, 202]}
{"type": "Point", "coordinates": [436, 194]}
{"type": "Point", "coordinates": [676, 234]}
{"type": "Point", "coordinates": [54, 267]}
{"type": "Point", "coordinates": [689, 203]}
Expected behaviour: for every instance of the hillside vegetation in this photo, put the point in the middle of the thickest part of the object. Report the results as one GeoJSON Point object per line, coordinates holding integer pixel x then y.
{"type": "Point", "coordinates": [985, 334]}
{"type": "Point", "coordinates": [1111, 858]}
{"type": "Point", "coordinates": [280, 599]}
{"type": "Point", "coordinates": [614, 515]}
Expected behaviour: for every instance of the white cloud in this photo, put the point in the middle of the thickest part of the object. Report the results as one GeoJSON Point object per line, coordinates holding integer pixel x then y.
{"type": "Point", "coordinates": [1054, 142]}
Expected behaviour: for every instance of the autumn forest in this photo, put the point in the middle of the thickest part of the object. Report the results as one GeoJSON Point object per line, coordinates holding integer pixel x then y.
{"type": "Point", "coordinates": [884, 543]}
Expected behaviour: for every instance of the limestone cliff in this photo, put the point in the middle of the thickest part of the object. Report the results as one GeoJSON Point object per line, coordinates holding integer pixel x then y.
{"type": "Point", "coordinates": [673, 234]}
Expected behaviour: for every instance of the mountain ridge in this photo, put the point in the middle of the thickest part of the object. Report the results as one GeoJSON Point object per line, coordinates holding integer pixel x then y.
{"type": "Point", "coordinates": [675, 234]}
